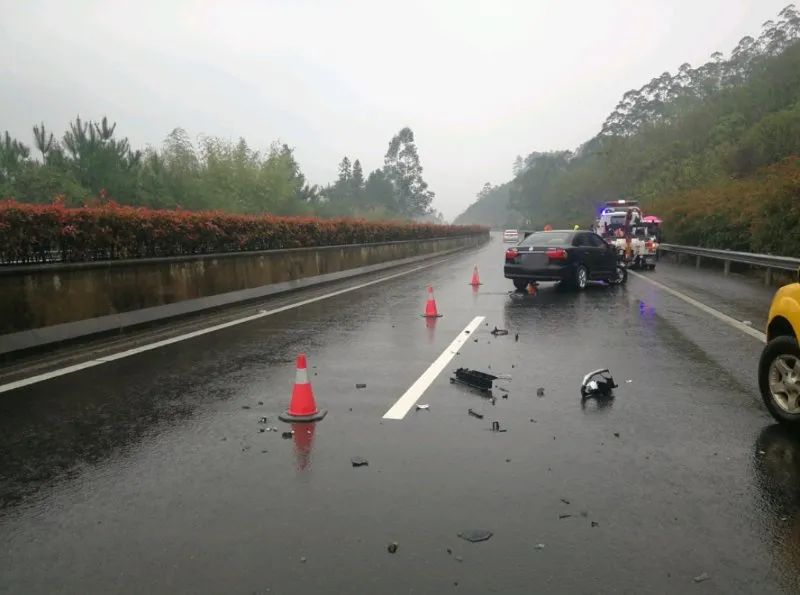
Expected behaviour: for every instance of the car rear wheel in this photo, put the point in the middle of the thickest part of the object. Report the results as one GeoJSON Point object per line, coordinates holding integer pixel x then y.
{"type": "Point", "coordinates": [521, 284]}
{"type": "Point", "coordinates": [581, 278]}
{"type": "Point", "coordinates": [620, 277]}
{"type": "Point", "coordinates": [779, 379]}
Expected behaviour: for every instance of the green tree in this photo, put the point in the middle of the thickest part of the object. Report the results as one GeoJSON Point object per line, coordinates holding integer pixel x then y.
{"type": "Point", "coordinates": [402, 167]}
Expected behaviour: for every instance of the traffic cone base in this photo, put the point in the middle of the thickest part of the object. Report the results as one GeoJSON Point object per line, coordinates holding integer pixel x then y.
{"type": "Point", "coordinates": [302, 407]}
{"type": "Point", "coordinates": [290, 418]}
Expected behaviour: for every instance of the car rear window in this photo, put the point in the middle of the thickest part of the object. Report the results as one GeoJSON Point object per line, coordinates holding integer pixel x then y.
{"type": "Point", "coordinates": [548, 238]}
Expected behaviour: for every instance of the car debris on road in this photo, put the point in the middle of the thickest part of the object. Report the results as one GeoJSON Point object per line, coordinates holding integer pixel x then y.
{"type": "Point", "coordinates": [424, 407]}
{"type": "Point", "coordinates": [359, 462]}
{"type": "Point", "coordinates": [474, 413]}
{"type": "Point", "coordinates": [475, 535]}
{"type": "Point", "coordinates": [481, 381]}
{"type": "Point", "coordinates": [499, 332]}
{"type": "Point", "coordinates": [599, 383]}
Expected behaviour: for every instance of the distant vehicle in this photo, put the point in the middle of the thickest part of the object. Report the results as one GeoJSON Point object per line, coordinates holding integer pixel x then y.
{"type": "Point", "coordinates": [630, 234]}
{"type": "Point", "coordinates": [511, 235]}
{"type": "Point", "coordinates": [568, 256]}
{"type": "Point", "coordinates": [779, 367]}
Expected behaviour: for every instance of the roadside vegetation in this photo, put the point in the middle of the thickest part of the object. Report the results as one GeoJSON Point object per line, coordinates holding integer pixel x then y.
{"type": "Point", "coordinates": [708, 148]}
{"type": "Point", "coordinates": [91, 161]}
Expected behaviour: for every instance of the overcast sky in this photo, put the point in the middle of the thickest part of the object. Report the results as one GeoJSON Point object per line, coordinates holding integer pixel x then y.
{"type": "Point", "coordinates": [478, 82]}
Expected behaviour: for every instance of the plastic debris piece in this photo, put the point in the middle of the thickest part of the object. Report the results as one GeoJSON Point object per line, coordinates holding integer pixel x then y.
{"type": "Point", "coordinates": [701, 577]}
{"type": "Point", "coordinates": [516, 337]}
{"type": "Point", "coordinates": [499, 332]}
{"type": "Point", "coordinates": [459, 559]}
{"type": "Point", "coordinates": [449, 551]}
{"type": "Point", "coordinates": [261, 430]}
{"type": "Point", "coordinates": [474, 413]}
{"type": "Point", "coordinates": [616, 434]}
{"type": "Point", "coordinates": [261, 402]}
{"type": "Point", "coordinates": [628, 381]}
{"type": "Point", "coordinates": [565, 501]}
{"type": "Point", "coordinates": [564, 516]}
{"type": "Point", "coordinates": [287, 435]}
{"type": "Point", "coordinates": [475, 379]}
{"type": "Point", "coordinates": [599, 383]}
{"type": "Point", "coordinates": [303, 559]}
{"type": "Point", "coordinates": [540, 392]}
{"type": "Point", "coordinates": [392, 547]}
{"type": "Point", "coordinates": [539, 546]}
{"type": "Point", "coordinates": [359, 462]}
{"type": "Point", "coordinates": [245, 406]}
{"type": "Point", "coordinates": [361, 385]}
{"type": "Point", "coordinates": [262, 420]}
{"type": "Point", "coordinates": [424, 407]}
{"type": "Point", "coordinates": [475, 535]}
{"type": "Point", "coordinates": [595, 523]}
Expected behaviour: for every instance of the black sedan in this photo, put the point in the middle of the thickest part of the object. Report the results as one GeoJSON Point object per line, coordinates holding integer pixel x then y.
{"type": "Point", "coordinates": [572, 257]}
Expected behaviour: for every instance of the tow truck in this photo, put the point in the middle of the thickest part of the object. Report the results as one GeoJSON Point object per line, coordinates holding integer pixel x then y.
{"type": "Point", "coordinates": [622, 225]}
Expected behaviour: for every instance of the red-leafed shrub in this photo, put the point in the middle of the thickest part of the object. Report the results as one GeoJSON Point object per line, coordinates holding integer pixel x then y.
{"type": "Point", "coordinates": [36, 233]}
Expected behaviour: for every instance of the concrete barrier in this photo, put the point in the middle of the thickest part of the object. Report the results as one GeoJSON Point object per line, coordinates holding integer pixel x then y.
{"type": "Point", "coordinates": [44, 304]}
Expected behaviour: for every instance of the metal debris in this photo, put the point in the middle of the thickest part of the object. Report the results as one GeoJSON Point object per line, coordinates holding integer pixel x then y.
{"type": "Point", "coordinates": [424, 407]}
{"type": "Point", "coordinates": [565, 501]}
{"type": "Point", "coordinates": [475, 535]}
{"type": "Point", "coordinates": [540, 392]}
{"type": "Point", "coordinates": [539, 546]}
{"type": "Point", "coordinates": [701, 577]}
{"type": "Point", "coordinates": [474, 413]}
{"type": "Point", "coordinates": [261, 402]}
{"type": "Point", "coordinates": [262, 420]}
{"type": "Point", "coordinates": [245, 406]}
{"type": "Point", "coordinates": [496, 427]}
{"type": "Point", "coordinates": [516, 337]}
{"type": "Point", "coordinates": [361, 385]}
{"type": "Point", "coordinates": [392, 547]}
{"type": "Point", "coordinates": [595, 523]}
{"type": "Point", "coordinates": [616, 434]}
{"type": "Point", "coordinates": [287, 434]}
{"type": "Point", "coordinates": [499, 332]}
{"type": "Point", "coordinates": [564, 516]}
{"type": "Point", "coordinates": [359, 462]}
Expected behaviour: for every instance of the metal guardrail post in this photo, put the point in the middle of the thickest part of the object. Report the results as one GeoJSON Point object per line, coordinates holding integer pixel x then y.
{"type": "Point", "coordinates": [699, 260]}
{"type": "Point", "coordinates": [727, 268]}
{"type": "Point", "coordinates": [768, 277]}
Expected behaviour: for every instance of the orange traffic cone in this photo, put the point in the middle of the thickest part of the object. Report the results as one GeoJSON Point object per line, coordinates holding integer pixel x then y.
{"type": "Point", "coordinates": [302, 406]}
{"type": "Point", "coordinates": [430, 307]}
{"type": "Point", "coordinates": [476, 280]}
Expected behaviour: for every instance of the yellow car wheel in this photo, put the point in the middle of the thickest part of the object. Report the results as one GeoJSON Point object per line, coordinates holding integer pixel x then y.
{"type": "Point", "coordinates": [779, 379]}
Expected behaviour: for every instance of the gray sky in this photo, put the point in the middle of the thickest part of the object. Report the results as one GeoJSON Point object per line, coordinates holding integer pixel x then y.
{"type": "Point", "coordinates": [478, 82]}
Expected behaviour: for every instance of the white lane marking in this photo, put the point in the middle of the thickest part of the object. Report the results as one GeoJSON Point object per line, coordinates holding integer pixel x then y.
{"type": "Point", "coordinates": [412, 395]}
{"type": "Point", "coordinates": [707, 309]}
{"type": "Point", "coordinates": [129, 352]}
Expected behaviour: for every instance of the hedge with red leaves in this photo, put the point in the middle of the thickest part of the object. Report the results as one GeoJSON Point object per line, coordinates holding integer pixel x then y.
{"type": "Point", "coordinates": [36, 233]}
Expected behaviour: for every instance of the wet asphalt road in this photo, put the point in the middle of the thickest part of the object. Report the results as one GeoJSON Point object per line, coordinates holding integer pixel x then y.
{"type": "Point", "coordinates": [149, 474]}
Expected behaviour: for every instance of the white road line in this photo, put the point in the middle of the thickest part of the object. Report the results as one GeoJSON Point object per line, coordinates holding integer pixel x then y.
{"type": "Point", "coordinates": [412, 395]}
{"type": "Point", "coordinates": [707, 309]}
{"type": "Point", "coordinates": [110, 358]}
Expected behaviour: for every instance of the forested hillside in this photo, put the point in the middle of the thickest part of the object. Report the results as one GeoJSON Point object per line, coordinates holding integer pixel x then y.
{"type": "Point", "coordinates": [491, 208]}
{"type": "Point", "coordinates": [683, 141]}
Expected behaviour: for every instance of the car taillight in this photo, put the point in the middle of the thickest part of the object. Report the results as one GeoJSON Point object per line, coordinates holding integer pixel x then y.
{"type": "Point", "coordinates": [648, 245]}
{"type": "Point", "coordinates": [511, 253]}
{"type": "Point", "coordinates": [556, 254]}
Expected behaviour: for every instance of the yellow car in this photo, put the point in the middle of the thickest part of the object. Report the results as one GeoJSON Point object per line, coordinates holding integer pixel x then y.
{"type": "Point", "coordinates": [779, 368]}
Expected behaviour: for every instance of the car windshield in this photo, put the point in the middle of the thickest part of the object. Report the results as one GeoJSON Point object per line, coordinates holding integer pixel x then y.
{"type": "Point", "coordinates": [548, 238]}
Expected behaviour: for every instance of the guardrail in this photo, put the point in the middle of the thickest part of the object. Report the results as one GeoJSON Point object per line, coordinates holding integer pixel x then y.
{"type": "Point", "coordinates": [767, 261]}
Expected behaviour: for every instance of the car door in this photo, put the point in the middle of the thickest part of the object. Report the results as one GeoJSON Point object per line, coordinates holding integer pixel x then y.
{"type": "Point", "coordinates": [584, 252]}
{"type": "Point", "coordinates": [605, 255]}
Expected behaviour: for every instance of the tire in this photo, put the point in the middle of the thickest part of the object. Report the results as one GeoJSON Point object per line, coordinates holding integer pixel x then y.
{"type": "Point", "coordinates": [521, 284]}
{"type": "Point", "coordinates": [780, 366]}
{"type": "Point", "coordinates": [581, 278]}
{"type": "Point", "coordinates": [621, 277]}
